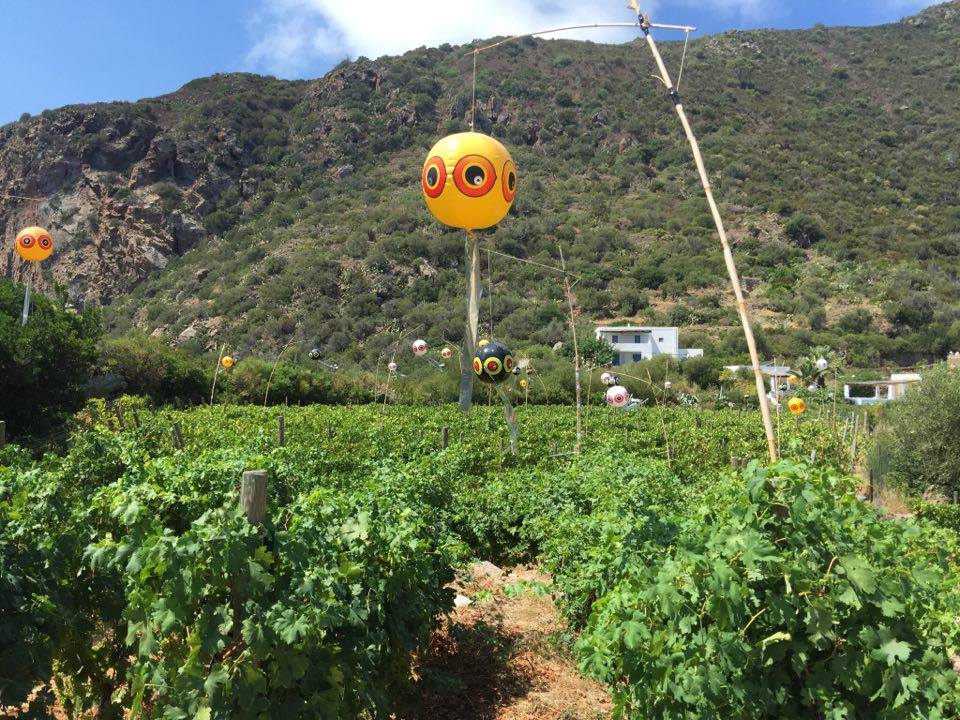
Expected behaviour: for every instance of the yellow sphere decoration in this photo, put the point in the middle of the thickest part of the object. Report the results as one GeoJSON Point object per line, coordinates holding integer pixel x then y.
{"type": "Point", "coordinates": [227, 361]}
{"type": "Point", "coordinates": [469, 181]}
{"type": "Point", "coordinates": [797, 405]}
{"type": "Point", "coordinates": [34, 244]}
{"type": "Point", "coordinates": [523, 384]}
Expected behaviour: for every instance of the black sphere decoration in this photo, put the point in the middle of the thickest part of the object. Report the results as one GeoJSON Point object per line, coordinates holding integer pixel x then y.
{"type": "Point", "coordinates": [493, 363]}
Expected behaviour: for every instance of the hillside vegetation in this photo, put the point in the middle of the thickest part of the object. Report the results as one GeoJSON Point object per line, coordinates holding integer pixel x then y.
{"type": "Point", "coordinates": [263, 211]}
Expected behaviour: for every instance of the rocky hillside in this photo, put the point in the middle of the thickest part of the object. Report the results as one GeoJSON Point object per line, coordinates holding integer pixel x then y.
{"type": "Point", "coordinates": [259, 210]}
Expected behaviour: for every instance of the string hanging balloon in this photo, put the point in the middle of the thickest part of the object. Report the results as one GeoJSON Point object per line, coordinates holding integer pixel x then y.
{"type": "Point", "coordinates": [469, 181]}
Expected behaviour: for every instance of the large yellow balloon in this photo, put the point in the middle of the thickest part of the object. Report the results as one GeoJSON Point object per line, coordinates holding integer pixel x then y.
{"type": "Point", "coordinates": [34, 244]}
{"type": "Point", "coordinates": [469, 181]}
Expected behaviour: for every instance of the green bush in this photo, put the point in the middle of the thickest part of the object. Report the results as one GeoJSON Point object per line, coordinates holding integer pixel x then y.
{"type": "Point", "coordinates": [44, 365]}
{"type": "Point", "coordinates": [150, 367]}
{"type": "Point", "coordinates": [923, 443]}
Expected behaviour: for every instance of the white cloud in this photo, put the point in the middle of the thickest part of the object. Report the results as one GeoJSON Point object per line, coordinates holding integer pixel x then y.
{"type": "Point", "coordinates": [292, 34]}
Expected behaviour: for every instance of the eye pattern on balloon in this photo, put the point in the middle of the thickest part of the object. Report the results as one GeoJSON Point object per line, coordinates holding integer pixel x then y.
{"type": "Point", "coordinates": [492, 362]}
{"type": "Point", "coordinates": [446, 353]}
{"type": "Point", "coordinates": [618, 396]}
{"type": "Point", "coordinates": [509, 180]}
{"type": "Point", "coordinates": [419, 347]}
{"type": "Point", "coordinates": [34, 244]}
{"type": "Point", "coordinates": [469, 181]}
{"type": "Point", "coordinates": [796, 406]}
{"type": "Point", "coordinates": [434, 177]}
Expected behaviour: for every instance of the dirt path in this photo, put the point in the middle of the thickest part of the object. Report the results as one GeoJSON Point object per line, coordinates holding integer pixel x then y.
{"type": "Point", "coordinates": [502, 657]}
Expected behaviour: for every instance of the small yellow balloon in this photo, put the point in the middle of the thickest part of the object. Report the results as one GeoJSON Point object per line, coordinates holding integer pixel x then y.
{"type": "Point", "coordinates": [523, 384]}
{"type": "Point", "coordinates": [469, 181]}
{"type": "Point", "coordinates": [796, 405]}
{"type": "Point", "coordinates": [792, 379]}
{"type": "Point", "coordinates": [34, 244]}
{"type": "Point", "coordinates": [227, 361]}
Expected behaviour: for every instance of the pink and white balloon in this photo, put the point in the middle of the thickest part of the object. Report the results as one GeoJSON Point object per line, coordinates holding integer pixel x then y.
{"type": "Point", "coordinates": [618, 396]}
{"type": "Point", "coordinates": [812, 387]}
{"type": "Point", "coordinates": [419, 347]}
{"type": "Point", "coordinates": [446, 353]}
{"type": "Point", "coordinates": [822, 364]}
{"type": "Point", "coordinates": [668, 385]}
{"type": "Point", "coordinates": [605, 378]}
{"type": "Point", "coordinates": [392, 367]}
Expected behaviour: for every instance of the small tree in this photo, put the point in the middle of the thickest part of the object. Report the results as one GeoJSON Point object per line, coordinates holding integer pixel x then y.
{"type": "Point", "coordinates": [45, 364]}
{"type": "Point", "coordinates": [924, 434]}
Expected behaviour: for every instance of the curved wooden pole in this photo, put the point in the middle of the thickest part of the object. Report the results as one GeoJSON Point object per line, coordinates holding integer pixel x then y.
{"type": "Point", "coordinates": [721, 231]}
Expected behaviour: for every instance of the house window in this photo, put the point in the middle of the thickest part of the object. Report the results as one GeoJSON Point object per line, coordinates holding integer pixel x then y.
{"type": "Point", "coordinates": [637, 357]}
{"type": "Point", "coordinates": [616, 359]}
{"type": "Point", "coordinates": [615, 339]}
{"type": "Point", "coordinates": [659, 340]}
{"type": "Point", "coordinates": [638, 338]}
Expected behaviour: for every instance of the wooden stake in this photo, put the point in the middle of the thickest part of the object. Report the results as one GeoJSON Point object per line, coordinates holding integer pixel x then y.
{"type": "Point", "coordinates": [253, 495]}
{"type": "Point", "coordinates": [177, 437]}
{"type": "Point", "coordinates": [721, 231]}
{"type": "Point", "coordinates": [3, 434]}
{"type": "Point", "coordinates": [136, 418]}
{"type": "Point", "coordinates": [445, 437]}
{"type": "Point", "coordinates": [280, 434]}
{"type": "Point", "coordinates": [216, 371]}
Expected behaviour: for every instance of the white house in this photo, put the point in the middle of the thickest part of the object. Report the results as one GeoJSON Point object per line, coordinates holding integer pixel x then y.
{"type": "Point", "coordinates": [883, 390]}
{"type": "Point", "coordinates": [633, 344]}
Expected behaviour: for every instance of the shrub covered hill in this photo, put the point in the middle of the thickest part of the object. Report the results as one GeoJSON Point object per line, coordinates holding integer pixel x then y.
{"type": "Point", "coordinates": [259, 211]}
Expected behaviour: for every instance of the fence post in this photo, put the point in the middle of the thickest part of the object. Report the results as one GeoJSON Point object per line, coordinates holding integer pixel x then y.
{"type": "Point", "coordinates": [329, 431]}
{"type": "Point", "coordinates": [3, 434]}
{"type": "Point", "coordinates": [119, 413]}
{"type": "Point", "coordinates": [177, 437]}
{"type": "Point", "coordinates": [253, 495]}
{"type": "Point", "coordinates": [446, 437]}
{"type": "Point", "coordinates": [280, 434]}
{"type": "Point", "coordinates": [136, 418]}
{"type": "Point", "coordinates": [178, 402]}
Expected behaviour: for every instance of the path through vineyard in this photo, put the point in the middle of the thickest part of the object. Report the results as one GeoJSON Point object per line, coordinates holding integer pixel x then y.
{"type": "Point", "coordinates": [501, 657]}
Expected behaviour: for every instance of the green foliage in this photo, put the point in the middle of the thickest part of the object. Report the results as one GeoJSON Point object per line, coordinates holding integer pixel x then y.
{"type": "Point", "coordinates": [593, 350]}
{"type": "Point", "coordinates": [152, 368]}
{"type": "Point", "coordinates": [942, 514]}
{"type": "Point", "coordinates": [45, 363]}
{"type": "Point", "coordinates": [923, 438]}
{"type": "Point", "coordinates": [783, 596]}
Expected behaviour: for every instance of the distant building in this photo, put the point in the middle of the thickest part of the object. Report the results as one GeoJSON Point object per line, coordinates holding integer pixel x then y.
{"type": "Point", "coordinates": [778, 375]}
{"type": "Point", "coordinates": [632, 343]}
{"type": "Point", "coordinates": [883, 390]}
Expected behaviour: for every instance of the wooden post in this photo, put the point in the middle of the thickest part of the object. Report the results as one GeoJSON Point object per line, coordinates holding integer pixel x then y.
{"type": "Point", "coordinates": [177, 437]}
{"type": "Point", "coordinates": [722, 233]}
{"type": "Point", "coordinates": [280, 434]}
{"type": "Point", "coordinates": [3, 434]}
{"type": "Point", "coordinates": [178, 402]}
{"type": "Point", "coordinates": [253, 495]}
{"type": "Point", "coordinates": [446, 437]}
{"type": "Point", "coordinates": [329, 431]}
{"type": "Point", "coordinates": [119, 412]}
{"type": "Point", "coordinates": [136, 418]}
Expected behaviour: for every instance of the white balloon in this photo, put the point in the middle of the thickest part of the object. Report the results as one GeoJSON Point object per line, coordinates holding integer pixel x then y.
{"type": "Point", "coordinates": [605, 378]}
{"type": "Point", "coordinates": [812, 388]}
{"type": "Point", "coordinates": [419, 347]}
{"type": "Point", "coordinates": [392, 367]}
{"type": "Point", "coordinates": [667, 385]}
{"type": "Point", "coordinates": [446, 353]}
{"type": "Point", "coordinates": [822, 364]}
{"type": "Point", "coordinates": [618, 396]}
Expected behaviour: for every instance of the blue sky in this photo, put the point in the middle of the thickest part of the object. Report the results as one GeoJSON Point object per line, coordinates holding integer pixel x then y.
{"type": "Point", "coordinates": [60, 52]}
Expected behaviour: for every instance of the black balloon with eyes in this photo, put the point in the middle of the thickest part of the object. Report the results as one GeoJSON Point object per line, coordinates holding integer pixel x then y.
{"type": "Point", "coordinates": [493, 362]}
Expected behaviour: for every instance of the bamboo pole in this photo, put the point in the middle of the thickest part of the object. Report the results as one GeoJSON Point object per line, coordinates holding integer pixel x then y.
{"type": "Point", "coordinates": [721, 231]}
{"type": "Point", "coordinates": [576, 350]}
